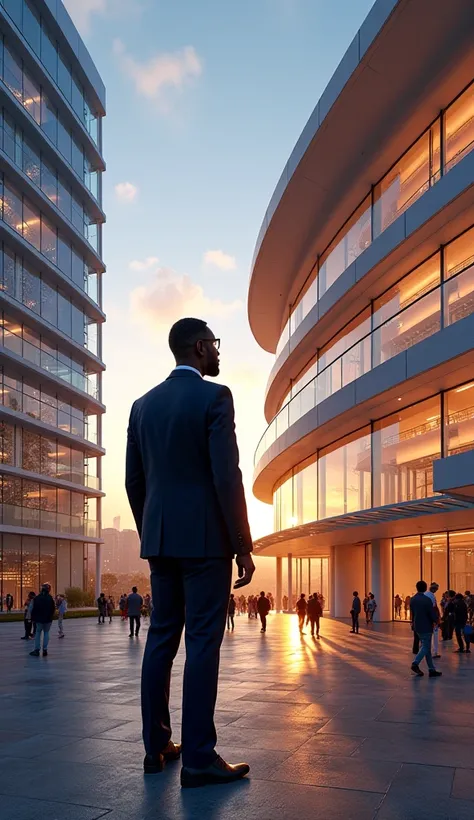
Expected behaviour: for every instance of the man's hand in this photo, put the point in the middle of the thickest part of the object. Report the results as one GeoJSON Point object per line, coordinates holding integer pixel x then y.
{"type": "Point", "coordinates": [246, 569]}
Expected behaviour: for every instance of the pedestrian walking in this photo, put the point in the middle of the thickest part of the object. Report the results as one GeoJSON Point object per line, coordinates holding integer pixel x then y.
{"type": "Point", "coordinates": [371, 607]}
{"type": "Point", "coordinates": [285, 603]}
{"type": "Point", "coordinates": [398, 606]}
{"type": "Point", "coordinates": [406, 606]}
{"type": "Point", "coordinates": [423, 617]}
{"type": "Point", "coordinates": [9, 602]}
{"type": "Point", "coordinates": [460, 617]}
{"type": "Point", "coordinates": [102, 607]}
{"type": "Point", "coordinates": [431, 594]}
{"type": "Point", "coordinates": [263, 608]}
{"type": "Point", "coordinates": [355, 612]}
{"type": "Point", "coordinates": [301, 610]}
{"type": "Point", "coordinates": [42, 614]}
{"type": "Point", "coordinates": [314, 613]}
{"type": "Point", "coordinates": [231, 613]}
{"type": "Point", "coordinates": [62, 609]}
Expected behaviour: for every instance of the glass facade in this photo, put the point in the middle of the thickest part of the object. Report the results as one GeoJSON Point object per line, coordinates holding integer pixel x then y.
{"type": "Point", "coordinates": [416, 307]}
{"type": "Point", "coordinates": [36, 34]}
{"type": "Point", "coordinates": [446, 558]}
{"type": "Point", "coordinates": [50, 336]}
{"type": "Point", "coordinates": [388, 462]}
{"type": "Point", "coordinates": [416, 171]}
{"type": "Point", "coordinates": [28, 561]}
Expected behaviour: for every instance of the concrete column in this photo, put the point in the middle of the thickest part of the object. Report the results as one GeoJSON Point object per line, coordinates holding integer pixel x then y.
{"type": "Point", "coordinates": [98, 569]}
{"type": "Point", "coordinates": [279, 583]}
{"type": "Point", "coordinates": [290, 582]}
{"type": "Point", "coordinates": [349, 575]}
{"type": "Point", "coordinates": [332, 584]}
{"type": "Point", "coordinates": [381, 578]}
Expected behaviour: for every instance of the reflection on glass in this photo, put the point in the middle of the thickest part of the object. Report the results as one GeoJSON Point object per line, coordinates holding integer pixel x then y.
{"type": "Point", "coordinates": [435, 560]}
{"type": "Point", "coordinates": [406, 568]}
{"type": "Point", "coordinates": [344, 477]}
{"type": "Point", "coordinates": [404, 447]}
{"type": "Point", "coordinates": [459, 128]}
{"type": "Point", "coordinates": [403, 185]}
{"type": "Point", "coordinates": [461, 560]}
{"type": "Point", "coordinates": [459, 419]}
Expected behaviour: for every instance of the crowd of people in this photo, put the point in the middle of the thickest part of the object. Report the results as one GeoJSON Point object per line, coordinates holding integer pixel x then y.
{"type": "Point", "coordinates": [453, 616]}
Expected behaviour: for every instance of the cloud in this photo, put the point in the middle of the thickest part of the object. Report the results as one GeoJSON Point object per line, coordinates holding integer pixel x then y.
{"type": "Point", "coordinates": [81, 11]}
{"type": "Point", "coordinates": [164, 72]}
{"type": "Point", "coordinates": [145, 264]}
{"type": "Point", "coordinates": [126, 192]}
{"type": "Point", "coordinates": [219, 259]}
{"type": "Point", "coordinates": [171, 296]}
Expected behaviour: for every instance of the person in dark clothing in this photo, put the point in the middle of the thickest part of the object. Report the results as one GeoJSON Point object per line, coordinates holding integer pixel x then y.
{"type": "Point", "coordinates": [263, 608]}
{"type": "Point", "coordinates": [135, 603]}
{"type": "Point", "coordinates": [102, 607]}
{"type": "Point", "coordinates": [28, 623]}
{"type": "Point", "coordinates": [231, 613]}
{"type": "Point", "coordinates": [447, 623]}
{"type": "Point", "coordinates": [458, 608]}
{"type": "Point", "coordinates": [355, 612]}
{"type": "Point", "coordinates": [301, 607]}
{"type": "Point", "coordinates": [186, 492]}
{"type": "Point", "coordinates": [42, 614]}
{"type": "Point", "coordinates": [314, 612]}
{"type": "Point", "coordinates": [423, 618]}
{"type": "Point", "coordinates": [9, 602]}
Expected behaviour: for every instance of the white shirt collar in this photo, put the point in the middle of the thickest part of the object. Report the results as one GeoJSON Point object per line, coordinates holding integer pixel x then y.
{"type": "Point", "coordinates": [187, 367]}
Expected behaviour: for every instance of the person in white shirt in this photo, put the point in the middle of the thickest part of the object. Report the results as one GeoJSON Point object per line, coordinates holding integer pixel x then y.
{"type": "Point", "coordinates": [431, 593]}
{"type": "Point", "coordinates": [62, 609]}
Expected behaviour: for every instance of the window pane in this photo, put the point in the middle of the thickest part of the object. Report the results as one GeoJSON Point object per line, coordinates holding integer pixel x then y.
{"type": "Point", "coordinates": [459, 419]}
{"type": "Point", "coordinates": [30, 564]}
{"type": "Point", "coordinates": [31, 163]}
{"type": "Point", "coordinates": [64, 255]}
{"type": "Point", "coordinates": [7, 443]}
{"type": "Point", "coordinates": [344, 477]}
{"type": "Point", "coordinates": [31, 225]}
{"type": "Point", "coordinates": [348, 245]}
{"type": "Point", "coordinates": [404, 447]}
{"type": "Point", "coordinates": [64, 314]}
{"type": "Point", "coordinates": [459, 269]}
{"type": "Point", "coordinates": [459, 128]}
{"type": "Point", "coordinates": [12, 208]}
{"type": "Point", "coordinates": [461, 560]}
{"type": "Point", "coordinates": [459, 254]}
{"type": "Point", "coordinates": [49, 120]}
{"type": "Point", "coordinates": [64, 565]}
{"type": "Point", "coordinates": [77, 564]}
{"type": "Point", "coordinates": [49, 182]}
{"type": "Point", "coordinates": [9, 137]}
{"type": "Point", "coordinates": [78, 325]}
{"type": "Point", "coordinates": [49, 304]}
{"type": "Point", "coordinates": [403, 185]}
{"type": "Point", "coordinates": [77, 99]}
{"type": "Point", "coordinates": [64, 142]}
{"type": "Point", "coordinates": [48, 455]}
{"type": "Point", "coordinates": [435, 560]}
{"type": "Point", "coordinates": [64, 78]}
{"type": "Point", "coordinates": [12, 74]}
{"type": "Point", "coordinates": [49, 55]}
{"type": "Point", "coordinates": [65, 200]}
{"type": "Point", "coordinates": [402, 318]}
{"type": "Point", "coordinates": [31, 290]}
{"type": "Point", "coordinates": [306, 493]}
{"type": "Point", "coordinates": [32, 97]}
{"type": "Point", "coordinates": [14, 8]}
{"type": "Point", "coordinates": [48, 240]}
{"type": "Point", "coordinates": [31, 452]}
{"type": "Point", "coordinates": [12, 568]}
{"type": "Point", "coordinates": [406, 568]}
{"type": "Point", "coordinates": [31, 26]}
{"type": "Point", "coordinates": [77, 269]}
{"type": "Point", "coordinates": [48, 562]}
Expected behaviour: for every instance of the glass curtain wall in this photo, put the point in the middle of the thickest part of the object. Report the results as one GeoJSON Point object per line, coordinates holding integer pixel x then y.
{"type": "Point", "coordinates": [412, 175]}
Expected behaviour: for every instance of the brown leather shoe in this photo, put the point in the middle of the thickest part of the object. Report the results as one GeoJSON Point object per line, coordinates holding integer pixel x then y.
{"type": "Point", "coordinates": [155, 764]}
{"type": "Point", "coordinates": [218, 772]}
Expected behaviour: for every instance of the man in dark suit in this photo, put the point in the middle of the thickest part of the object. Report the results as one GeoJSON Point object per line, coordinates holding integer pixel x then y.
{"type": "Point", "coordinates": [185, 489]}
{"type": "Point", "coordinates": [423, 618]}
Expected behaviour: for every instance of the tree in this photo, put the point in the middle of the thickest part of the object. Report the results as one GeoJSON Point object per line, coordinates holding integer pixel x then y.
{"type": "Point", "coordinates": [109, 582]}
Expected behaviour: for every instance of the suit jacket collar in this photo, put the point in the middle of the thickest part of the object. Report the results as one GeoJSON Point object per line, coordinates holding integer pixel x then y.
{"type": "Point", "coordinates": [183, 374]}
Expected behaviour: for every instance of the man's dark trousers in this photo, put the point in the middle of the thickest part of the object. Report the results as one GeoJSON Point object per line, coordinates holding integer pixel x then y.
{"type": "Point", "coordinates": [263, 619]}
{"type": "Point", "coordinates": [190, 592]}
{"type": "Point", "coordinates": [355, 621]}
{"type": "Point", "coordinates": [134, 619]}
{"type": "Point", "coordinates": [315, 620]}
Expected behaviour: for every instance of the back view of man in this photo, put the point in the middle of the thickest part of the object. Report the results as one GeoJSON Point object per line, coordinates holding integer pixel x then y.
{"type": "Point", "coordinates": [42, 615]}
{"type": "Point", "coordinates": [185, 490]}
{"type": "Point", "coordinates": [301, 610]}
{"type": "Point", "coordinates": [263, 608]}
{"type": "Point", "coordinates": [135, 603]}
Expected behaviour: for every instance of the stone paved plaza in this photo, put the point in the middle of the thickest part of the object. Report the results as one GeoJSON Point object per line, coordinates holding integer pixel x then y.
{"type": "Point", "coordinates": [332, 729]}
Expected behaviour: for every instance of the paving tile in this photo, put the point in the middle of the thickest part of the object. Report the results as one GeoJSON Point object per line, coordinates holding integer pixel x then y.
{"type": "Point", "coordinates": [333, 745]}
{"type": "Point", "coordinates": [462, 786]}
{"type": "Point", "coordinates": [22, 808]}
{"type": "Point", "coordinates": [337, 772]}
{"type": "Point", "coordinates": [398, 807]}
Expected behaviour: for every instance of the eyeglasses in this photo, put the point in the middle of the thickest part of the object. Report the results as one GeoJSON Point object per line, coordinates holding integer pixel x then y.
{"type": "Point", "coordinates": [215, 342]}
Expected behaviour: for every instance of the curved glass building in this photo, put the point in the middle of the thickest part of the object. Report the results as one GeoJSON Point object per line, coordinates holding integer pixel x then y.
{"type": "Point", "coordinates": [363, 287]}
{"type": "Point", "coordinates": [52, 101]}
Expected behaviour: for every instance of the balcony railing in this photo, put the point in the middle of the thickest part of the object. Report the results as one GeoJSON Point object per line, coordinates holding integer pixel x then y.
{"type": "Point", "coordinates": [34, 354]}
{"type": "Point", "coordinates": [414, 323]}
{"type": "Point", "coordinates": [15, 516]}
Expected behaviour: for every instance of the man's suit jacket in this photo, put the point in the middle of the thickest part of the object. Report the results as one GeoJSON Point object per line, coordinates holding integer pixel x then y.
{"type": "Point", "coordinates": [182, 475]}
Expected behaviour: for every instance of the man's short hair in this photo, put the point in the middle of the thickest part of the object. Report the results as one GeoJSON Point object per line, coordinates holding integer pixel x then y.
{"type": "Point", "coordinates": [355, 593]}
{"type": "Point", "coordinates": [421, 586]}
{"type": "Point", "coordinates": [434, 586]}
{"type": "Point", "coordinates": [134, 589]}
{"type": "Point", "coordinates": [184, 334]}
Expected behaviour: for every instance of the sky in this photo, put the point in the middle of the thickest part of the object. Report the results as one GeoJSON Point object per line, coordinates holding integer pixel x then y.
{"type": "Point", "coordinates": [205, 101]}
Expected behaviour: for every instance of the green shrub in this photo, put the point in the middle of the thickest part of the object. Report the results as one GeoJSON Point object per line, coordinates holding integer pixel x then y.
{"type": "Point", "coordinates": [75, 596]}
